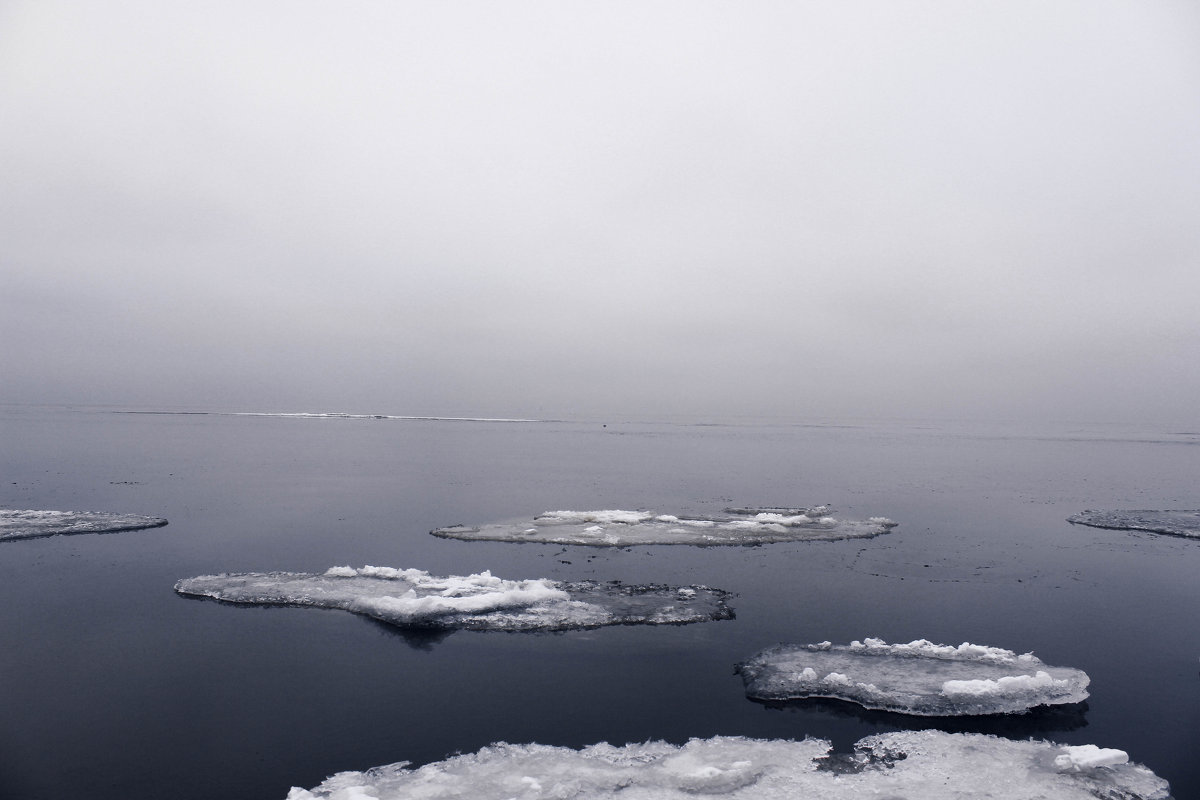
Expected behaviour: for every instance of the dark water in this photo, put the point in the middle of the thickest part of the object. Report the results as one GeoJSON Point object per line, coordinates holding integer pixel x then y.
{"type": "Point", "coordinates": [111, 686]}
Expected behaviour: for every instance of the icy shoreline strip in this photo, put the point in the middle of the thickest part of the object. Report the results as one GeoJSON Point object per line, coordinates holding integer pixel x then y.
{"type": "Point", "coordinates": [415, 599]}
{"type": "Point", "coordinates": [1172, 523]}
{"type": "Point", "coordinates": [919, 678]}
{"type": "Point", "coordinates": [620, 528]}
{"type": "Point", "coordinates": [924, 764]}
{"type": "Point", "coordinates": [32, 524]}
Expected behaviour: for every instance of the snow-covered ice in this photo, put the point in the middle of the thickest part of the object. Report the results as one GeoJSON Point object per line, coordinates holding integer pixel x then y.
{"type": "Point", "coordinates": [918, 764]}
{"type": "Point", "coordinates": [33, 524]}
{"type": "Point", "coordinates": [617, 528]}
{"type": "Point", "coordinates": [1175, 523]}
{"type": "Point", "coordinates": [920, 677]}
{"type": "Point", "coordinates": [414, 598]}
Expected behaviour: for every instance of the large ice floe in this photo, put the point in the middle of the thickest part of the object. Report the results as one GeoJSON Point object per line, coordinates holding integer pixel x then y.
{"type": "Point", "coordinates": [615, 528]}
{"type": "Point", "coordinates": [921, 678]}
{"type": "Point", "coordinates": [34, 524]}
{"type": "Point", "coordinates": [931, 765]}
{"type": "Point", "coordinates": [412, 598]}
{"type": "Point", "coordinates": [1175, 523]}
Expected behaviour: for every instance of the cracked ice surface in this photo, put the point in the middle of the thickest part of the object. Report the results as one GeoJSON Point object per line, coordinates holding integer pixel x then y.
{"type": "Point", "coordinates": [920, 678]}
{"type": "Point", "coordinates": [925, 764]}
{"type": "Point", "coordinates": [33, 524]}
{"type": "Point", "coordinates": [414, 598]}
{"type": "Point", "coordinates": [616, 528]}
{"type": "Point", "coordinates": [1174, 523]}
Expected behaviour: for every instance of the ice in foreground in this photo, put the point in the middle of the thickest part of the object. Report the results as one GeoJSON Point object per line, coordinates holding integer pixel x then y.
{"type": "Point", "coordinates": [33, 524]}
{"type": "Point", "coordinates": [615, 528]}
{"type": "Point", "coordinates": [921, 764]}
{"type": "Point", "coordinates": [921, 678]}
{"type": "Point", "coordinates": [1175, 523]}
{"type": "Point", "coordinates": [413, 598]}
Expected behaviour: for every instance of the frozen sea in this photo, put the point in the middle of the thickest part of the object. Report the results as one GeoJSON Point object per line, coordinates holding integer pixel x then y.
{"type": "Point", "coordinates": [114, 686]}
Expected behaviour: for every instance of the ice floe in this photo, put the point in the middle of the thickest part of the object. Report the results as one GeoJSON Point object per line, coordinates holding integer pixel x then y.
{"type": "Point", "coordinates": [920, 677]}
{"type": "Point", "coordinates": [414, 598]}
{"type": "Point", "coordinates": [34, 524]}
{"type": "Point", "coordinates": [1175, 523]}
{"type": "Point", "coordinates": [925, 764]}
{"type": "Point", "coordinates": [617, 528]}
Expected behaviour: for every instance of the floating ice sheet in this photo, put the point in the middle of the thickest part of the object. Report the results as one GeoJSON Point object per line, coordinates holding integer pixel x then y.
{"type": "Point", "coordinates": [1175, 523]}
{"type": "Point", "coordinates": [33, 524]}
{"type": "Point", "coordinates": [919, 764]}
{"type": "Point", "coordinates": [616, 528]}
{"type": "Point", "coordinates": [922, 678]}
{"type": "Point", "coordinates": [414, 598]}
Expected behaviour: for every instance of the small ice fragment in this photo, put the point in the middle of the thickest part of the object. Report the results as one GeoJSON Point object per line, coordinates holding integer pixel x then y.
{"type": "Point", "coordinates": [30, 524]}
{"type": "Point", "coordinates": [914, 764]}
{"type": "Point", "coordinates": [616, 528]}
{"type": "Point", "coordinates": [920, 677]}
{"type": "Point", "coordinates": [414, 598]}
{"type": "Point", "coordinates": [1089, 756]}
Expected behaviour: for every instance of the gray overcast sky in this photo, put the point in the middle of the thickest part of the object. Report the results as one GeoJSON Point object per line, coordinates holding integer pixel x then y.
{"type": "Point", "coordinates": [800, 209]}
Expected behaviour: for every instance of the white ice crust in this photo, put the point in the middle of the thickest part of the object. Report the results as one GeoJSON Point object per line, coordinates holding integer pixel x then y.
{"type": "Point", "coordinates": [619, 528]}
{"type": "Point", "coordinates": [414, 598]}
{"type": "Point", "coordinates": [31, 524]}
{"type": "Point", "coordinates": [918, 764]}
{"type": "Point", "coordinates": [920, 677]}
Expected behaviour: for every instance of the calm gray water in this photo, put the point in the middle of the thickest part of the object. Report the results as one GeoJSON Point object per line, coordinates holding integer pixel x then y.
{"type": "Point", "coordinates": [115, 687]}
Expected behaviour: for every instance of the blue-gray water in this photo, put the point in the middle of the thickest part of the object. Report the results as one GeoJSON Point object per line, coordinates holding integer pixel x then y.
{"type": "Point", "coordinates": [112, 686]}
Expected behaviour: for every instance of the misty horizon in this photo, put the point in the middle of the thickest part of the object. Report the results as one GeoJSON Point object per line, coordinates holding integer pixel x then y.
{"type": "Point", "coordinates": [568, 210]}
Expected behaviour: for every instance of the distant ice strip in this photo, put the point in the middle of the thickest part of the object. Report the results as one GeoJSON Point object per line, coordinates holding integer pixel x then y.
{"type": "Point", "coordinates": [414, 598]}
{"type": "Point", "coordinates": [34, 524]}
{"type": "Point", "coordinates": [916, 764]}
{"type": "Point", "coordinates": [921, 678]}
{"type": "Point", "coordinates": [336, 415]}
{"type": "Point", "coordinates": [327, 415]}
{"type": "Point", "coordinates": [1174, 523]}
{"type": "Point", "coordinates": [616, 528]}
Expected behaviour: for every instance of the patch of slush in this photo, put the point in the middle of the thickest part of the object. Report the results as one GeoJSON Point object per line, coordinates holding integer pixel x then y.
{"type": "Point", "coordinates": [921, 678]}
{"type": "Point", "coordinates": [413, 598]}
{"type": "Point", "coordinates": [1174, 523]}
{"type": "Point", "coordinates": [918, 764]}
{"type": "Point", "coordinates": [616, 528]}
{"type": "Point", "coordinates": [34, 524]}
